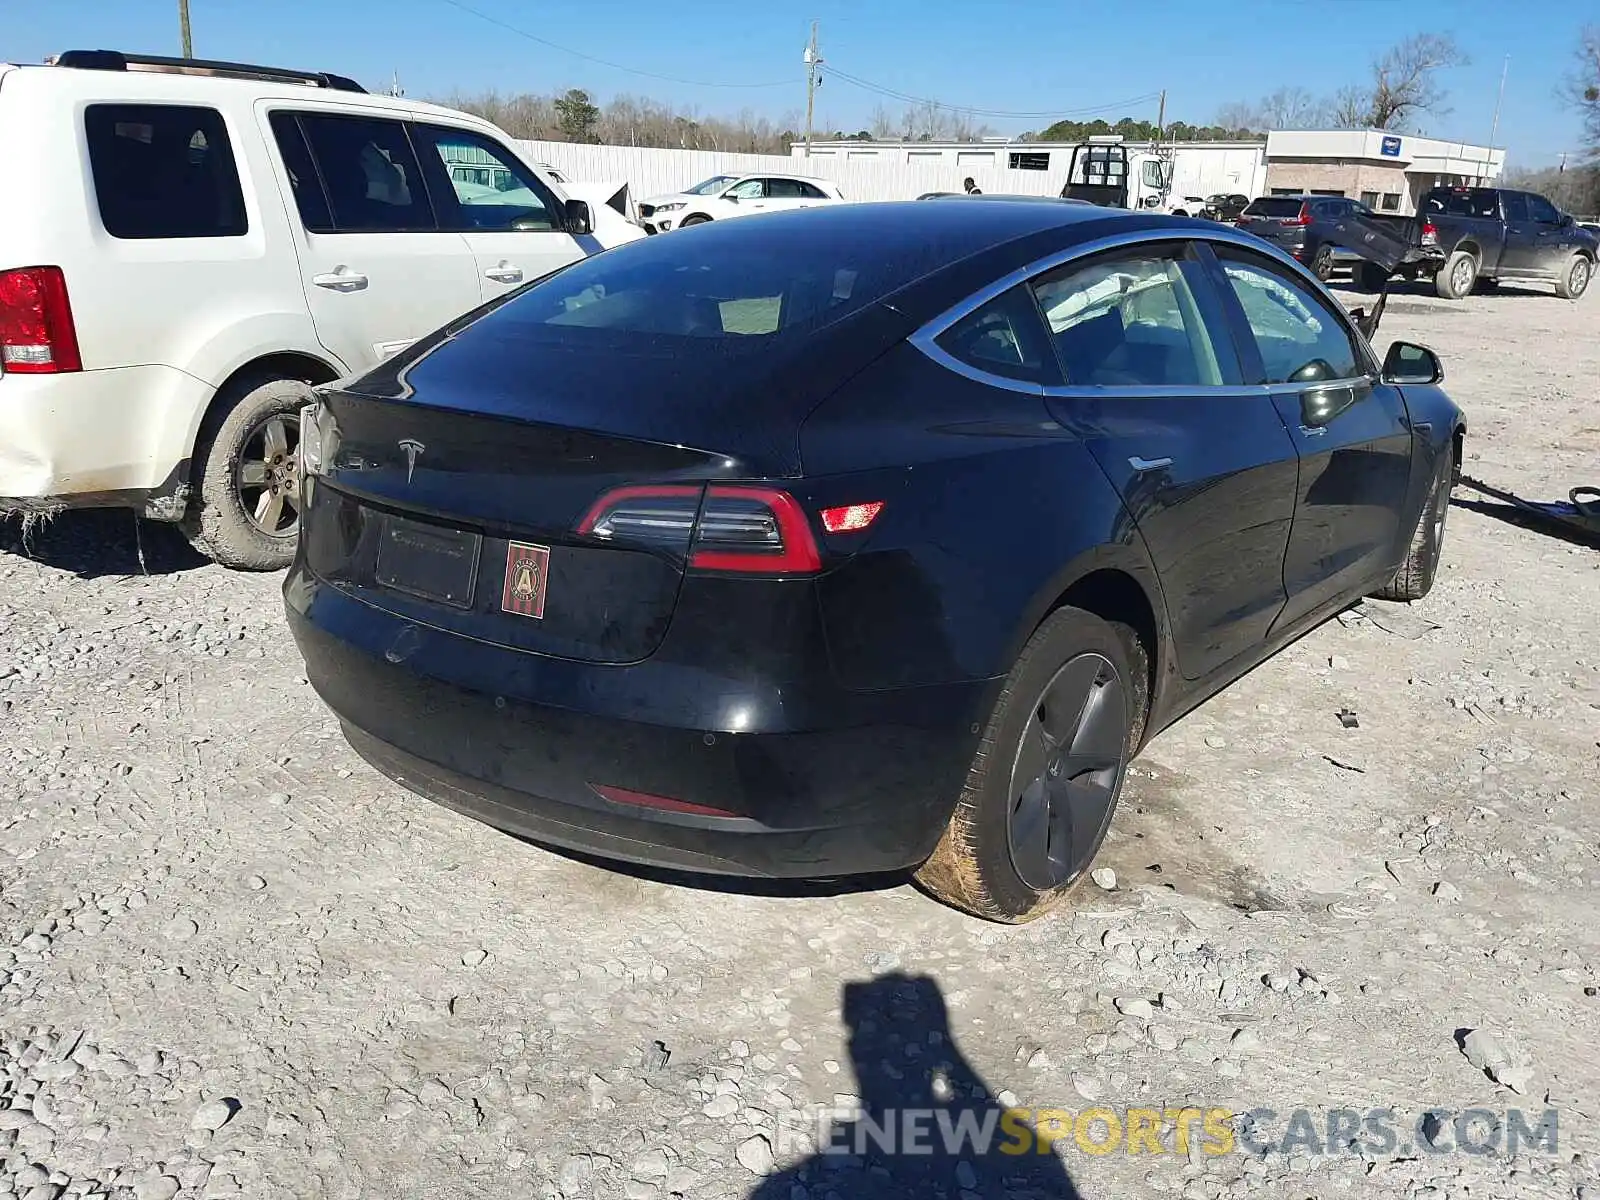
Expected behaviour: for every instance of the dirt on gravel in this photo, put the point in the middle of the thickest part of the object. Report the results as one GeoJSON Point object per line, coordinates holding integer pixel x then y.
{"type": "Point", "coordinates": [234, 960]}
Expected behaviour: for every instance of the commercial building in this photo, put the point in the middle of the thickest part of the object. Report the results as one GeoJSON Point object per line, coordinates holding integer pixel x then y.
{"type": "Point", "coordinates": [1389, 172]}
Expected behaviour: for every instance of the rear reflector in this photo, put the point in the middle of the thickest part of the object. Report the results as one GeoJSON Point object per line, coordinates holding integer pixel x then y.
{"type": "Point", "coordinates": [748, 530]}
{"type": "Point", "coordinates": [851, 518]}
{"type": "Point", "coordinates": [37, 336]}
{"type": "Point", "coordinates": [661, 803]}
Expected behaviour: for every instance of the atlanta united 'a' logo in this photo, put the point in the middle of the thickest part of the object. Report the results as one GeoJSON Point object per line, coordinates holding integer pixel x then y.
{"type": "Point", "coordinates": [527, 576]}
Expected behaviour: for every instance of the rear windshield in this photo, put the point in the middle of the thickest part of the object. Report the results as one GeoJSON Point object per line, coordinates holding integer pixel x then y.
{"type": "Point", "coordinates": [1274, 206]}
{"type": "Point", "coordinates": [1463, 202]}
{"type": "Point", "coordinates": [714, 287]}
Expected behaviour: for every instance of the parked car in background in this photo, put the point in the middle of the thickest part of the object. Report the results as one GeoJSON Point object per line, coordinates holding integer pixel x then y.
{"type": "Point", "coordinates": [1025, 483]}
{"type": "Point", "coordinates": [725, 196]}
{"type": "Point", "coordinates": [1324, 232]}
{"type": "Point", "coordinates": [1224, 206]}
{"type": "Point", "coordinates": [195, 244]}
{"type": "Point", "coordinates": [1493, 235]}
{"type": "Point", "coordinates": [1186, 206]}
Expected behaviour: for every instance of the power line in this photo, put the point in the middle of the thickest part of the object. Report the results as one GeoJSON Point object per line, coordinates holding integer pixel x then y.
{"type": "Point", "coordinates": [1091, 110]}
{"type": "Point", "coordinates": [523, 33]}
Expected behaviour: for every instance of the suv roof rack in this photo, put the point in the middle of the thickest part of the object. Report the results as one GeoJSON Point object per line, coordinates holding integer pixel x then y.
{"type": "Point", "coordinates": [116, 60]}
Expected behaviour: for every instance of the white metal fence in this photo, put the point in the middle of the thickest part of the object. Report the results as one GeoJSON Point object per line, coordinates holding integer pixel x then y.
{"type": "Point", "coordinates": [649, 171]}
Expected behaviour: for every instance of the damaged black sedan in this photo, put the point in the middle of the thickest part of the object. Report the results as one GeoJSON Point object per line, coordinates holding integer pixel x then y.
{"type": "Point", "coordinates": [858, 539]}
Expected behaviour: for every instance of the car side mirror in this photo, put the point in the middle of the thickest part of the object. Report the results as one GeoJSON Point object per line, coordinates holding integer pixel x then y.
{"type": "Point", "coordinates": [1407, 362]}
{"type": "Point", "coordinates": [579, 219]}
{"type": "Point", "coordinates": [1568, 220]}
{"type": "Point", "coordinates": [731, 198]}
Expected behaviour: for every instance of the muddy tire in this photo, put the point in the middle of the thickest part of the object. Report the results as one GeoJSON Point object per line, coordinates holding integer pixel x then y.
{"type": "Point", "coordinates": [246, 507]}
{"type": "Point", "coordinates": [1044, 782]}
{"type": "Point", "coordinates": [1414, 579]}
{"type": "Point", "coordinates": [1455, 279]}
{"type": "Point", "coordinates": [1575, 277]}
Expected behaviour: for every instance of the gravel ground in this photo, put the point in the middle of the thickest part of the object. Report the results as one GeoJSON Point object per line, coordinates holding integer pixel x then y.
{"type": "Point", "coordinates": [236, 961]}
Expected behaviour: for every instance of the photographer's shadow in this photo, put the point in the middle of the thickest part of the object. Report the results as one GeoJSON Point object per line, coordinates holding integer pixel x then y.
{"type": "Point", "coordinates": [927, 1126]}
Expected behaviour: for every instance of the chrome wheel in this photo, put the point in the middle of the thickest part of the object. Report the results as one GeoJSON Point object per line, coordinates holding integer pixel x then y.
{"type": "Point", "coordinates": [1464, 274]}
{"type": "Point", "coordinates": [1578, 278]}
{"type": "Point", "coordinates": [1067, 772]}
{"type": "Point", "coordinates": [267, 477]}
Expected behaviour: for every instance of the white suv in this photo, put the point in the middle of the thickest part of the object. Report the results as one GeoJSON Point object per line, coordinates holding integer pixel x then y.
{"type": "Point", "coordinates": [724, 196]}
{"type": "Point", "coordinates": [187, 247]}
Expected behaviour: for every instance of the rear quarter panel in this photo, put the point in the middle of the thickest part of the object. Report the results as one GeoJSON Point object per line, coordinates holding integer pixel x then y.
{"type": "Point", "coordinates": [1000, 509]}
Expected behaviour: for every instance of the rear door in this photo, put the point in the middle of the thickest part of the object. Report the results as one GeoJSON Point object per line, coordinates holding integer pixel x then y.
{"type": "Point", "coordinates": [1522, 236]}
{"type": "Point", "coordinates": [378, 272]}
{"type": "Point", "coordinates": [515, 227]}
{"type": "Point", "coordinates": [781, 194]}
{"type": "Point", "coordinates": [1351, 431]}
{"type": "Point", "coordinates": [1203, 464]}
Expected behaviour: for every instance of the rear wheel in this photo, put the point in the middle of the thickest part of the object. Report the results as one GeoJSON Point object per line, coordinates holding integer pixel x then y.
{"type": "Point", "coordinates": [1574, 280]}
{"type": "Point", "coordinates": [1414, 579]}
{"type": "Point", "coordinates": [1322, 263]}
{"type": "Point", "coordinates": [1044, 782]}
{"type": "Point", "coordinates": [1456, 277]}
{"type": "Point", "coordinates": [246, 512]}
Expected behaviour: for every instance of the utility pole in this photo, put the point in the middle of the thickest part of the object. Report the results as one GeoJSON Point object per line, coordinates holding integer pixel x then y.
{"type": "Point", "coordinates": [183, 28]}
{"type": "Point", "coordinates": [1161, 115]}
{"type": "Point", "coordinates": [813, 62]}
{"type": "Point", "coordinates": [1495, 128]}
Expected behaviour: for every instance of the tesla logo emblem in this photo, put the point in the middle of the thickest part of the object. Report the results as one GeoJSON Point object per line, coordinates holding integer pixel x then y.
{"type": "Point", "coordinates": [413, 449]}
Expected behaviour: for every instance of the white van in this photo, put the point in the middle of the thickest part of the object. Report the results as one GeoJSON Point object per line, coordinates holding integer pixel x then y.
{"type": "Point", "coordinates": [186, 247]}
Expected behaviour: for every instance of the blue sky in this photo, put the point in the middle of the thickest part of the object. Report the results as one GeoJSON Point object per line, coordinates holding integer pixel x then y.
{"type": "Point", "coordinates": [994, 54]}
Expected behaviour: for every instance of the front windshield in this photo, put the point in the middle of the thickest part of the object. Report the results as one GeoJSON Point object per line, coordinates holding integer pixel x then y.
{"type": "Point", "coordinates": [715, 184]}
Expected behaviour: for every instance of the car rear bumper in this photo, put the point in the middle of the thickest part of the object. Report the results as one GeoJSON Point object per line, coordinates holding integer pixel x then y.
{"type": "Point", "coordinates": [106, 438]}
{"type": "Point", "coordinates": [847, 783]}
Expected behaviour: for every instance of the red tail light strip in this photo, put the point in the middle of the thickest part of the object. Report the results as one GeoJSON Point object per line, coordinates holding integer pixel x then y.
{"type": "Point", "coordinates": [661, 803]}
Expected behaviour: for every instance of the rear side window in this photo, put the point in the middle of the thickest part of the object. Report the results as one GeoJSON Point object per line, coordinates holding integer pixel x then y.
{"type": "Point", "coordinates": [1128, 320]}
{"type": "Point", "coordinates": [811, 191]}
{"type": "Point", "coordinates": [164, 171]}
{"type": "Point", "coordinates": [784, 189]}
{"type": "Point", "coordinates": [1273, 206]}
{"type": "Point", "coordinates": [1463, 202]}
{"type": "Point", "coordinates": [369, 175]}
{"type": "Point", "coordinates": [1004, 337]}
{"type": "Point", "coordinates": [1298, 336]}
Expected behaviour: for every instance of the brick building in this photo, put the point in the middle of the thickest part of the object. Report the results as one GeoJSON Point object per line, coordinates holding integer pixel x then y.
{"type": "Point", "coordinates": [1387, 172]}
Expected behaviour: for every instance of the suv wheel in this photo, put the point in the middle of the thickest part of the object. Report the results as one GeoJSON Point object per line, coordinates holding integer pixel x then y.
{"type": "Point", "coordinates": [1574, 280]}
{"type": "Point", "coordinates": [246, 510]}
{"type": "Point", "coordinates": [1322, 263]}
{"type": "Point", "coordinates": [1456, 277]}
{"type": "Point", "coordinates": [1046, 776]}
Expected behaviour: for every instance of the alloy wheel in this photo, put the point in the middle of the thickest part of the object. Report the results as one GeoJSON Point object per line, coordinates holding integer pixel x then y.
{"type": "Point", "coordinates": [1464, 274]}
{"type": "Point", "coordinates": [268, 475]}
{"type": "Point", "coordinates": [1068, 771]}
{"type": "Point", "coordinates": [1578, 280]}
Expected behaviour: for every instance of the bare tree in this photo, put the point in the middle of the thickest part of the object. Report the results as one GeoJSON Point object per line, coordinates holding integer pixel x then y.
{"type": "Point", "coordinates": [1290, 108]}
{"type": "Point", "coordinates": [1349, 108]}
{"type": "Point", "coordinates": [1239, 115]}
{"type": "Point", "coordinates": [883, 125]}
{"type": "Point", "coordinates": [1405, 80]}
{"type": "Point", "coordinates": [1582, 87]}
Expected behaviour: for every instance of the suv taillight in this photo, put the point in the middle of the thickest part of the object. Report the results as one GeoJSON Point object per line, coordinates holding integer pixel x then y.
{"type": "Point", "coordinates": [1430, 232]}
{"type": "Point", "coordinates": [741, 529]}
{"type": "Point", "coordinates": [1304, 217]}
{"type": "Point", "coordinates": [36, 332]}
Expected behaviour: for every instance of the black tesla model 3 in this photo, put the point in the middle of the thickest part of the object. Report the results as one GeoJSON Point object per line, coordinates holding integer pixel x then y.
{"type": "Point", "coordinates": [856, 539]}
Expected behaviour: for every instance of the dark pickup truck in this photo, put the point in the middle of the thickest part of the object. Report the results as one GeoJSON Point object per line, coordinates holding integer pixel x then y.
{"type": "Point", "coordinates": [1493, 235]}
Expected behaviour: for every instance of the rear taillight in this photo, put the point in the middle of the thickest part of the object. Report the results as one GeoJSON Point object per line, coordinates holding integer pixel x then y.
{"type": "Point", "coordinates": [749, 530]}
{"type": "Point", "coordinates": [1304, 217]}
{"type": "Point", "coordinates": [37, 336]}
{"type": "Point", "coordinates": [1430, 232]}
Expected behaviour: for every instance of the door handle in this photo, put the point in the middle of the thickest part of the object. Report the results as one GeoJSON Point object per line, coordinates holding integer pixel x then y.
{"type": "Point", "coordinates": [341, 279]}
{"type": "Point", "coordinates": [504, 273]}
{"type": "Point", "coordinates": [1148, 464]}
